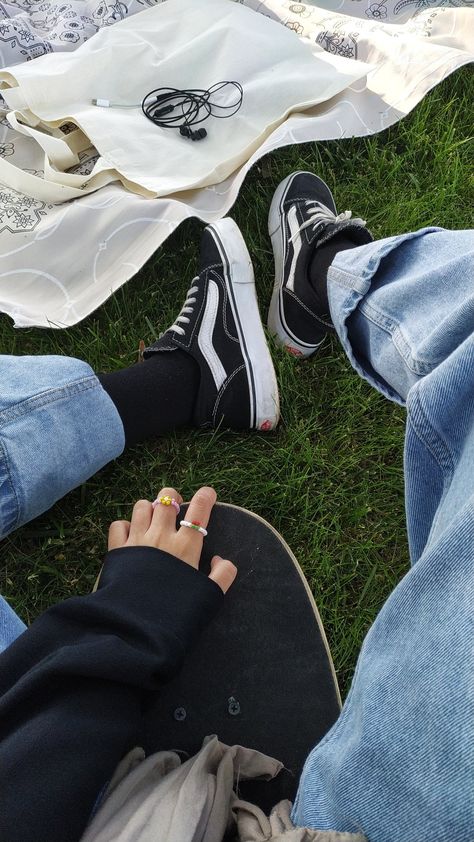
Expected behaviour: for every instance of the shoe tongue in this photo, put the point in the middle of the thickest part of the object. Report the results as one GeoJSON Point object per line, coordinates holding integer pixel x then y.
{"type": "Point", "coordinates": [209, 253]}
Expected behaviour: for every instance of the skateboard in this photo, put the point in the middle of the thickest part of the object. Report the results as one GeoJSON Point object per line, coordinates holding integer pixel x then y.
{"type": "Point", "coordinates": [261, 674]}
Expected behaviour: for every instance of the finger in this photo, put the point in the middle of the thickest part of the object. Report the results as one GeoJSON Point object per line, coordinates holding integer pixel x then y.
{"type": "Point", "coordinates": [200, 507]}
{"type": "Point", "coordinates": [223, 572]}
{"type": "Point", "coordinates": [165, 514]}
{"type": "Point", "coordinates": [141, 520]}
{"type": "Point", "coordinates": [118, 534]}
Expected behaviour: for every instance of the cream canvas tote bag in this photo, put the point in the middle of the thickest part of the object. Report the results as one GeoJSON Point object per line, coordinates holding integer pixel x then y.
{"type": "Point", "coordinates": [181, 44]}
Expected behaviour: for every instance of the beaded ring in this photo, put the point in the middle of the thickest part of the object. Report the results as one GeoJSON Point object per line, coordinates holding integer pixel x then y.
{"type": "Point", "coordinates": [194, 524]}
{"type": "Point", "coordinates": [166, 501]}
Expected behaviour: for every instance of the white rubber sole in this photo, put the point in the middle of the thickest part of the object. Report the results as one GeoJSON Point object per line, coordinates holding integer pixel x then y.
{"type": "Point", "coordinates": [275, 322]}
{"type": "Point", "coordinates": [240, 281]}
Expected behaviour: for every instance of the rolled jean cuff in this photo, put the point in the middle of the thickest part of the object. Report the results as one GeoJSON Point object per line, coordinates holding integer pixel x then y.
{"type": "Point", "coordinates": [351, 276]}
{"type": "Point", "coordinates": [57, 427]}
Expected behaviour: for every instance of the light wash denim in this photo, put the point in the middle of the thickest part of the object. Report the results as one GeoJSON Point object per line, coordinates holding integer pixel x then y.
{"type": "Point", "coordinates": [10, 625]}
{"type": "Point", "coordinates": [399, 762]}
{"type": "Point", "coordinates": [57, 428]}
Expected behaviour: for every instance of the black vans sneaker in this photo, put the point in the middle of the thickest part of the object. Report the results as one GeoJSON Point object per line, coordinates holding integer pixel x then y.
{"type": "Point", "coordinates": [220, 326]}
{"type": "Point", "coordinates": [302, 217]}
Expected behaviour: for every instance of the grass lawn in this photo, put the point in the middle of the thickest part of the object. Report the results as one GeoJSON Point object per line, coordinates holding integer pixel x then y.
{"type": "Point", "coordinates": [330, 479]}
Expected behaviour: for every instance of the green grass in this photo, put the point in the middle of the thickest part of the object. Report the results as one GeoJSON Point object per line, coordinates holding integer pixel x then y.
{"type": "Point", "coordinates": [330, 479]}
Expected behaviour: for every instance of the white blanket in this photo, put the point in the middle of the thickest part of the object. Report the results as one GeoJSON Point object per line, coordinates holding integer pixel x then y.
{"type": "Point", "coordinates": [59, 262]}
{"type": "Point", "coordinates": [179, 44]}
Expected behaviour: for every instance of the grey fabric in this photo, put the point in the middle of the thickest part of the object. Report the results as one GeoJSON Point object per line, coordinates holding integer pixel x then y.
{"type": "Point", "coordinates": [173, 801]}
{"type": "Point", "coordinates": [160, 798]}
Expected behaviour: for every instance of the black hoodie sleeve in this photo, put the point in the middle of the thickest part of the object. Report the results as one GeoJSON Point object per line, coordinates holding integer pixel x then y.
{"type": "Point", "coordinates": [72, 687]}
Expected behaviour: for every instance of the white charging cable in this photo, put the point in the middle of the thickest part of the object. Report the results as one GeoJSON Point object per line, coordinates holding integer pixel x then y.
{"type": "Point", "coordinates": [105, 103]}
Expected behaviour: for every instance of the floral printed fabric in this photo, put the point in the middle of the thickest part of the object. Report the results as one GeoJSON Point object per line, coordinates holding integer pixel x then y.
{"type": "Point", "coordinates": [51, 276]}
{"type": "Point", "coordinates": [32, 28]}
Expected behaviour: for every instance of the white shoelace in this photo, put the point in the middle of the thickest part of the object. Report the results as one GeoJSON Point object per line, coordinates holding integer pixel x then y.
{"type": "Point", "coordinates": [320, 213]}
{"type": "Point", "coordinates": [188, 307]}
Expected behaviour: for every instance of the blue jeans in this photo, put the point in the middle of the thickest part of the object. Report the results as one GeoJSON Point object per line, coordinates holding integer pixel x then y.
{"type": "Point", "coordinates": [57, 428]}
{"type": "Point", "coordinates": [398, 763]}
{"type": "Point", "coordinates": [10, 625]}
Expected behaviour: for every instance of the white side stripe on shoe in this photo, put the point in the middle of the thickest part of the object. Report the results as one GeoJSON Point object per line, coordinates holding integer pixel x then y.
{"type": "Point", "coordinates": [205, 335]}
{"type": "Point", "coordinates": [295, 239]}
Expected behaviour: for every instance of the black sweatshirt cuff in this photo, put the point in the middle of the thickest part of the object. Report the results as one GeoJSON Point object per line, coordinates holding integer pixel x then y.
{"type": "Point", "coordinates": [147, 601]}
{"type": "Point", "coordinates": [161, 589]}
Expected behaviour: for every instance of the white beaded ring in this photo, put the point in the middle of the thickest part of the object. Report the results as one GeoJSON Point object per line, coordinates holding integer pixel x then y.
{"type": "Point", "coordinates": [194, 525]}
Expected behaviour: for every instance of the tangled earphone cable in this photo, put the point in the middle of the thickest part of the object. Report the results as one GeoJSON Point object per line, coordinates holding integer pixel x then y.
{"type": "Point", "coordinates": [172, 108]}
{"type": "Point", "coordinates": [181, 109]}
{"type": "Point", "coordinates": [192, 106]}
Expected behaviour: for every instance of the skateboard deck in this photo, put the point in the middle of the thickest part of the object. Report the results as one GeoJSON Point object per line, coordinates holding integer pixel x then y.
{"type": "Point", "coordinates": [261, 674]}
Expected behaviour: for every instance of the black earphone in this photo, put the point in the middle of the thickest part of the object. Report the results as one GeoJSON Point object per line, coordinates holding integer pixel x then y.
{"type": "Point", "coordinates": [199, 134]}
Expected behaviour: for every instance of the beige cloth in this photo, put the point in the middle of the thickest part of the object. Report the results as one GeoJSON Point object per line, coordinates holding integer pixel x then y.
{"type": "Point", "coordinates": [160, 799]}
{"type": "Point", "coordinates": [178, 44]}
{"type": "Point", "coordinates": [254, 826]}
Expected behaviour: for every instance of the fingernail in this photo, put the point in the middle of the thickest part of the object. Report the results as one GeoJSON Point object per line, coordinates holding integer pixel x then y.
{"type": "Point", "coordinates": [218, 558]}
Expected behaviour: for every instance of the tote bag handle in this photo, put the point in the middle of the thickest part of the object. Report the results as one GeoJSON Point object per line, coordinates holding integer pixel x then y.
{"type": "Point", "coordinates": [59, 153]}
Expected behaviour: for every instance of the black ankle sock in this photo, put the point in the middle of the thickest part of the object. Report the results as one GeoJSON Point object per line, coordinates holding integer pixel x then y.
{"type": "Point", "coordinates": [318, 268]}
{"type": "Point", "coordinates": [156, 396]}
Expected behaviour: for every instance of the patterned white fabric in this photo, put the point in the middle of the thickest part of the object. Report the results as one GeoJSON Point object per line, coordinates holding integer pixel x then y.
{"type": "Point", "coordinates": [59, 262]}
{"type": "Point", "coordinates": [178, 44]}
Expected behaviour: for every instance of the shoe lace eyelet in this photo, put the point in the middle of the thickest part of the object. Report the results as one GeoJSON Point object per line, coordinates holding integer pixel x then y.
{"type": "Point", "coordinates": [186, 310]}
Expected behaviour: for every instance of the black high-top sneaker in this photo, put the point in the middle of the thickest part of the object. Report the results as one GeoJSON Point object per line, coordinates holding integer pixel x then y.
{"type": "Point", "coordinates": [302, 218]}
{"type": "Point", "coordinates": [220, 327]}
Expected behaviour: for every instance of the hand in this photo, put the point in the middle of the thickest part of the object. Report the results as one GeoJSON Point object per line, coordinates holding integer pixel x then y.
{"type": "Point", "coordinates": [157, 528]}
